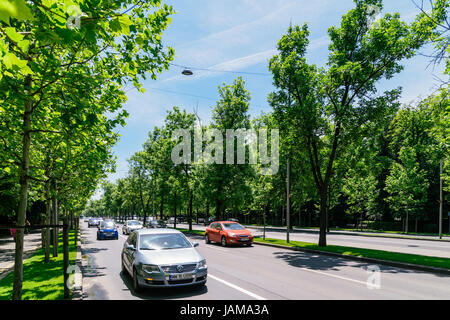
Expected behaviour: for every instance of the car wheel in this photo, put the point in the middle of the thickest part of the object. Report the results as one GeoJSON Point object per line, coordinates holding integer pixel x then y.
{"type": "Point", "coordinates": [136, 286]}
{"type": "Point", "coordinates": [207, 241]}
{"type": "Point", "coordinates": [224, 242]}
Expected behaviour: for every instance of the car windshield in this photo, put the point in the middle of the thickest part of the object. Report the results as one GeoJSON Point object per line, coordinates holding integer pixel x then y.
{"type": "Point", "coordinates": [107, 225]}
{"type": "Point", "coordinates": [233, 226]}
{"type": "Point", "coordinates": [163, 241]}
{"type": "Point", "coordinates": [133, 223]}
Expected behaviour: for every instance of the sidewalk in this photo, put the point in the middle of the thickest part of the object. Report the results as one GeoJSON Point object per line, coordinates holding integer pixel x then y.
{"type": "Point", "coordinates": [7, 250]}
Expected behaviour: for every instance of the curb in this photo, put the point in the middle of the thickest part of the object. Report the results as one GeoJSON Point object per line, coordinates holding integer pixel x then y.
{"type": "Point", "coordinates": [364, 259]}
{"type": "Point", "coordinates": [77, 292]}
{"type": "Point", "coordinates": [351, 233]}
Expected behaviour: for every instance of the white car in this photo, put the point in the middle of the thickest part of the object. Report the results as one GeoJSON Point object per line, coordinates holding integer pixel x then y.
{"type": "Point", "coordinates": [131, 225]}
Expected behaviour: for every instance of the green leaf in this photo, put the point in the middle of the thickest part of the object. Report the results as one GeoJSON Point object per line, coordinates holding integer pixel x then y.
{"type": "Point", "coordinates": [13, 34]}
{"type": "Point", "coordinates": [15, 9]}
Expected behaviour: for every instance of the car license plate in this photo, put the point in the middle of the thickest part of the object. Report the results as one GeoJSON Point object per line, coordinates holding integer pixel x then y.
{"type": "Point", "coordinates": [181, 276]}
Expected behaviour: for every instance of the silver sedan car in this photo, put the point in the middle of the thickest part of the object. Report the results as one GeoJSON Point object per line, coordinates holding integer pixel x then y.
{"type": "Point", "coordinates": [131, 225]}
{"type": "Point", "coordinates": [162, 258]}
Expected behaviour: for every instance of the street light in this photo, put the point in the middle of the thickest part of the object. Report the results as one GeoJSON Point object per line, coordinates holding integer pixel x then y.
{"type": "Point", "coordinates": [187, 72]}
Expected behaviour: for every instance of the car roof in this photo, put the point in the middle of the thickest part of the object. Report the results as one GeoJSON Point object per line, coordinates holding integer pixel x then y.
{"type": "Point", "coordinates": [227, 222]}
{"type": "Point", "coordinates": [155, 231]}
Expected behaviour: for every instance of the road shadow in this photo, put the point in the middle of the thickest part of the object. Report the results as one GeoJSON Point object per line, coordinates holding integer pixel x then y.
{"type": "Point", "coordinates": [322, 262]}
{"type": "Point", "coordinates": [96, 292]}
{"type": "Point", "coordinates": [163, 293]}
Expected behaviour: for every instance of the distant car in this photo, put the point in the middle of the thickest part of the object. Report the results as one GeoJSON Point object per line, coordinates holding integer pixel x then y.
{"type": "Point", "coordinates": [233, 219]}
{"type": "Point", "coordinates": [153, 224]}
{"type": "Point", "coordinates": [107, 230]}
{"type": "Point", "coordinates": [200, 220]}
{"type": "Point", "coordinates": [171, 220]}
{"type": "Point", "coordinates": [131, 225]}
{"type": "Point", "coordinates": [162, 258]}
{"type": "Point", "coordinates": [209, 221]}
{"type": "Point", "coordinates": [93, 222]}
{"type": "Point", "coordinates": [228, 232]}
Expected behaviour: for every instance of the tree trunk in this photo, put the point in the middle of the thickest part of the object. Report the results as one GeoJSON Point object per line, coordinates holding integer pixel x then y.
{"type": "Point", "coordinates": [161, 208]}
{"type": "Point", "coordinates": [77, 224]}
{"type": "Point", "coordinates": [47, 231]}
{"type": "Point", "coordinates": [219, 205]}
{"type": "Point", "coordinates": [55, 222]}
{"type": "Point", "coordinates": [323, 220]}
{"type": "Point", "coordinates": [190, 211]}
{"type": "Point", "coordinates": [23, 195]}
{"type": "Point", "coordinates": [175, 211]}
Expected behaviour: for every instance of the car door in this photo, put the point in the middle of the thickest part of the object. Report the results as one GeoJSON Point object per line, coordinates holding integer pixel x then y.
{"type": "Point", "coordinates": [129, 254]}
{"type": "Point", "coordinates": [215, 232]}
{"type": "Point", "coordinates": [211, 232]}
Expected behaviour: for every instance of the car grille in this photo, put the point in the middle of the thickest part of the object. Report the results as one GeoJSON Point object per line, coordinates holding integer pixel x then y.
{"type": "Point", "coordinates": [180, 281]}
{"type": "Point", "coordinates": [173, 268]}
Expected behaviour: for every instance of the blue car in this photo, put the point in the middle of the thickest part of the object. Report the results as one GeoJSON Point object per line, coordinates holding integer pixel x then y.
{"type": "Point", "coordinates": [107, 230]}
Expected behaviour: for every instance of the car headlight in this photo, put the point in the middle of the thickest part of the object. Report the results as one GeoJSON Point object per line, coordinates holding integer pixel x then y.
{"type": "Point", "coordinates": [149, 268]}
{"type": "Point", "coordinates": [233, 235]}
{"type": "Point", "coordinates": [202, 264]}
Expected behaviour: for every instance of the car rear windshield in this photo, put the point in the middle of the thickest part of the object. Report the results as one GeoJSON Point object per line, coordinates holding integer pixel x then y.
{"type": "Point", "coordinates": [107, 225]}
{"type": "Point", "coordinates": [133, 223]}
{"type": "Point", "coordinates": [163, 242]}
{"type": "Point", "coordinates": [233, 226]}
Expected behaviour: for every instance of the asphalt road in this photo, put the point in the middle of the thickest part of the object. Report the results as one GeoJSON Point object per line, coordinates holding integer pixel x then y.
{"type": "Point", "coordinates": [422, 247]}
{"type": "Point", "coordinates": [259, 272]}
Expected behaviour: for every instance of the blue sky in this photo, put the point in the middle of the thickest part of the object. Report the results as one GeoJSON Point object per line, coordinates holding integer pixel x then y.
{"type": "Point", "coordinates": [241, 35]}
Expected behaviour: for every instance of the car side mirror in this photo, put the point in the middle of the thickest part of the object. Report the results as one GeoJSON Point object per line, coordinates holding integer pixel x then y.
{"type": "Point", "coordinates": [218, 228]}
{"type": "Point", "coordinates": [195, 244]}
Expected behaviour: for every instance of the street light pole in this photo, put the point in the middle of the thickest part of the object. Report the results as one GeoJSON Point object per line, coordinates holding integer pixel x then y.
{"type": "Point", "coordinates": [287, 203]}
{"type": "Point", "coordinates": [440, 200]}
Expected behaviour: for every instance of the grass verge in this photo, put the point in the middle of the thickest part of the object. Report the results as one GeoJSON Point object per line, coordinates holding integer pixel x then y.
{"type": "Point", "coordinates": [357, 252]}
{"type": "Point", "coordinates": [387, 232]}
{"type": "Point", "coordinates": [41, 281]}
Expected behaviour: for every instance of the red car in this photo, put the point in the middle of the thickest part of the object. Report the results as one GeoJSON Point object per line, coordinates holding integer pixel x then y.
{"type": "Point", "coordinates": [228, 232]}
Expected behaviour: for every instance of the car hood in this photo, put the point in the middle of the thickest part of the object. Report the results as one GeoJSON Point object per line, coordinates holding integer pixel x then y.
{"type": "Point", "coordinates": [107, 229]}
{"type": "Point", "coordinates": [172, 256]}
{"type": "Point", "coordinates": [240, 232]}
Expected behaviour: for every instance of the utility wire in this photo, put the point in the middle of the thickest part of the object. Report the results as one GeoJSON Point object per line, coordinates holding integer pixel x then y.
{"type": "Point", "coordinates": [185, 94]}
{"type": "Point", "coordinates": [215, 70]}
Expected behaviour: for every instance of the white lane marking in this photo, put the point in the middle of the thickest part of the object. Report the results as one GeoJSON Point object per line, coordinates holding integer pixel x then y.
{"type": "Point", "coordinates": [251, 294]}
{"type": "Point", "coordinates": [335, 276]}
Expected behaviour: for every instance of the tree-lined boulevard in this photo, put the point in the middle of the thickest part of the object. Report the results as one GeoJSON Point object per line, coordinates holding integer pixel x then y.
{"type": "Point", "coordinates": [341, 152]}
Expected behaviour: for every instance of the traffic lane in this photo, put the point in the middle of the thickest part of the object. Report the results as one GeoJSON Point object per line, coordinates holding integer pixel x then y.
{"type": "Point", "coordinates": [103, 279]}
{"type": "Point", "coordinates": [285, 274]}
{"type": "Point", "coordinates": [421, 247]}
{"type": "Point", "coordinates": [270, 273]}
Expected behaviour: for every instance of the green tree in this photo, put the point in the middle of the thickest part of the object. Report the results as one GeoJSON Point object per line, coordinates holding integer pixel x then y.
{"type": "Point", "coordinates": [331, 104]}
